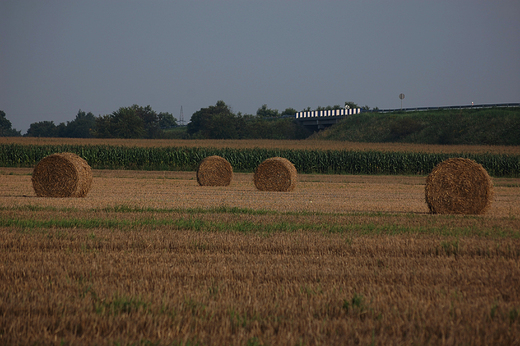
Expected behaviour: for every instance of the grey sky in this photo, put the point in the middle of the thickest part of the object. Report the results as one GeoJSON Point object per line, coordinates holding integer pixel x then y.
{"type": "Point", "coordinates": [57, 57]}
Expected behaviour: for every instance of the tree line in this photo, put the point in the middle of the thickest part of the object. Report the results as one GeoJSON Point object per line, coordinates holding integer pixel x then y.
{"type": "Point", "coordinates": [127, 122]}
{"type": "Point", "coordinates": [219, 122]}
{"type": "Point", "coordinates": [213, 122]}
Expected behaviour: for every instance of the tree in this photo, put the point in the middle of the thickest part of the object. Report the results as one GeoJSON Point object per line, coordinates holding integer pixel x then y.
{"type": "Point", "coordinates": [289, 111]}
{"type": "Point", "coordinates": [6, 129]}
{"type": "Point", "coordinates": [42, 129]}
{"type": "Point", "coordinates": [133, 122]}
{"type": "Point", "coordinates": [281, 128]}
{"type": "Point", "coordinates": [351, 105]}
{"type": "Point", "coordinates": [224, 126]}
{"type": "Point", "coordinates": [166, 121]}
{"type": "Point", "coordinates": [216, 122]}
{"type": "Point", "coordinates": [328, 108]}
{"type": "Point", "coordinates": [265, 112]}
{"type": "Point", "coordinates": [123, 123]}
{"type": "Point", "coordinates": [127, 124]}
{"type": "Point", "coordinates": [150, 120]}
{"type": "Point", "coordinates": [103, 127]}
{"type": "Point", "coordinates": [81, 127]}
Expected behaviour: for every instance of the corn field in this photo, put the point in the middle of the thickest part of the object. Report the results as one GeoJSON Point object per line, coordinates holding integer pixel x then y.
{"type": "Point", "coordinates": [247, 159]}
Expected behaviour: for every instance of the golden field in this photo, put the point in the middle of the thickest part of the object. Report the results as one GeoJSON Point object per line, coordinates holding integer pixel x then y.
{"type": "Point", "coordinates": [314, 193]}
{"type": "Point", "coordinates": [151, 258]}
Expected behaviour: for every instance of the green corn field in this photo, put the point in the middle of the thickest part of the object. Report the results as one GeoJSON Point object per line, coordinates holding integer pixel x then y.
{"type": "Point", "coordinates": [247, 159]}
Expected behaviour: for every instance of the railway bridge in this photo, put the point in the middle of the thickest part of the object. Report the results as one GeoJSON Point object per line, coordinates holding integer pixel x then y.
{"type": "Point", "coordinates": [318, 120]}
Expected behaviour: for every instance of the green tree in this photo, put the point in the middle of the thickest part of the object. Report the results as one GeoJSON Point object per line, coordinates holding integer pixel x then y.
{"type": "Point", "coordinates": [6, 129]}
{"type": "Point", "coordinates": [265, 112]}
{"type": "Point", "coordinates": [166, 121]}
{"type": "Point", "coordinates": [133, 122]}
{"type": "Point", "coordinates": [42, 129]}
{"type": "Point", "coordinates": [351, 104]}
{"type": "Point", "coordinates": [289, 111]}
{"type": "Point", "coordinates": [81, 127]}
{"type": "Point", "coordinates": [103, 127]}
{"type": "Point", "coordinates": [150, 120]}
{"type": "Point", "coordinates": [127, 124]}
{"type": "Point", "coordinates": [217, 122]}
{"type": "Point", "coordinates": [280, 128]}
{"type": "Point", "coordinates": [61, 129]}
{"type": "Point", "coordinates": [224, 126]}
{"type": "Point", "coordinates": [123, 123]}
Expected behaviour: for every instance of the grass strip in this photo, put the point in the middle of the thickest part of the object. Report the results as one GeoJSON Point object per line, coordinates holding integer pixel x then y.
{"type": "Point", "coordinates": [220, 210]}
{"type": "Point", "coordinates": [200, 225]}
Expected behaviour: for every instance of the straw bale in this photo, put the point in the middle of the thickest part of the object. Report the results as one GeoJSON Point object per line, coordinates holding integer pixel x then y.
{"type": "Point", "coordinates": [458, 186]}
{"type": "Point", "coordinates": [275, 174]}
{"type": "Point", "coordinates": [62, 175]}
{"type": "Point", "coordinates": [214, 171]}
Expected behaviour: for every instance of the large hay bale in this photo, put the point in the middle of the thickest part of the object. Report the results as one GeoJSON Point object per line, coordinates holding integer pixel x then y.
{"type": "Point", "coordinates": [275, 174]}
{"type": "Point", "coordinates": [458, 186]}
{"type": "Point", "coordinates": [62, 175]}
{"type": "Point", "coordinates": [214, 171]}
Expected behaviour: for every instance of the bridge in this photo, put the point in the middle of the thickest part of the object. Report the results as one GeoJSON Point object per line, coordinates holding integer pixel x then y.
{"type": "Point", "coordinates": [318, 120]}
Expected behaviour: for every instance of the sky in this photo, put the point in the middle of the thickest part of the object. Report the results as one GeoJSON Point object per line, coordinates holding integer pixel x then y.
{"type": "Point", "coordinates": [60, 56]}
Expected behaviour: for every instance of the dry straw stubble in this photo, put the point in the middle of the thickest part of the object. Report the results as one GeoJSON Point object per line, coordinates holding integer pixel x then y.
{"type": "Point", "coordinates": [275, 174]}
{"type": "Point", "coordinates": [459, 186]}
{"type": "Point", "coordinates": [214, 171]}
{"type": "Point", "coordinates": [62, 175]}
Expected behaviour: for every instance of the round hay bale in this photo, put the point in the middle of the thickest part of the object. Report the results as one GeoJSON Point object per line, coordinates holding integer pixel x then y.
{"type": "Point", "coordinates": [62, 175]}
{"type": "Point", "coordinates": [458, 186]}
{"type": "Point", "coordinates": [275, 174]}
{"type": "Point", "coordinates": [214, 171]}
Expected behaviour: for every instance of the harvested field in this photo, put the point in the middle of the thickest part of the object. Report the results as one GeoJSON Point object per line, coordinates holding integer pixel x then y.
{"type": "Point", "coordinates": [320, 193]}
{"type": "Point", "coordinates": [151, 258]}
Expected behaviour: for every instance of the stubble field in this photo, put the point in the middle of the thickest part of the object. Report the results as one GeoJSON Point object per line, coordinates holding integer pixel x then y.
{"type": "Point", "coordinates": [151, 258]}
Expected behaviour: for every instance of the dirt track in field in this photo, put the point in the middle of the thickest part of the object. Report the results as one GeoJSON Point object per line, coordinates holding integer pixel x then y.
{"type": "Point", "coordinates": [323, 193]}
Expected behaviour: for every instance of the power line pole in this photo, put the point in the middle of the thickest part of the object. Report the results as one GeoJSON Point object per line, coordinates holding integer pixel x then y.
{"type": "Point", "coordinates": [181, 117]}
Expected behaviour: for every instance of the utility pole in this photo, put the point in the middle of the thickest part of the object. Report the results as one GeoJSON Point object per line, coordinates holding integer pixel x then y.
{"type": "Point", "coordinates": [181, 118]}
